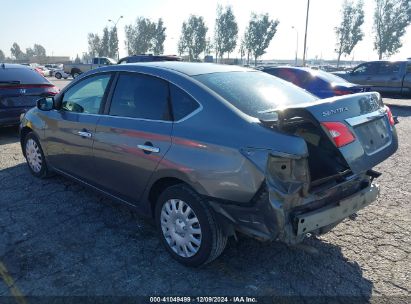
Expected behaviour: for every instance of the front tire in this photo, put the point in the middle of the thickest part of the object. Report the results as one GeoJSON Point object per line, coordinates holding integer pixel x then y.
{"type": "Point", "coordinates": [35, 156]}
{"type": "Point", "coordinates": [188, 227]}
{"type": "Point", "coordinates": [57, 75]}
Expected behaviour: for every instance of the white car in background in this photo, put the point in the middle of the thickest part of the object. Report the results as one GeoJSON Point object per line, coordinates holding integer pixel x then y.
{"type": "Point", "coordinates": [61, 74]}
{"type": "Point", "coordinates": [44, 71]}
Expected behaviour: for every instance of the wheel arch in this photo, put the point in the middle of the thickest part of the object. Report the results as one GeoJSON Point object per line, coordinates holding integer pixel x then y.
{"type": "Point", "coordinates": [23, 133]}
{"type": "Point", "coordinates": [75, 70]}
{"type": "Point", "coordinates": [158, 187]}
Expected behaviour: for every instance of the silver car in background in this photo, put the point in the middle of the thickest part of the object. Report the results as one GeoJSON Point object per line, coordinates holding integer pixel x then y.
{"type": "Point", "coordinates": [210, 151]}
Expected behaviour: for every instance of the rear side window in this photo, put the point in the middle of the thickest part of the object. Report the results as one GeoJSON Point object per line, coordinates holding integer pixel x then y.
{"type": "Point", "coordinates": [389, 68]}
{"type": "Point", "coordinates": [255, 93]}
{"type": "Point", "coordinates": [183, 105]}
{"type": "Point", "coordinates": [23, 75]}
{"type": "Point", "coordinates": [140, 96]}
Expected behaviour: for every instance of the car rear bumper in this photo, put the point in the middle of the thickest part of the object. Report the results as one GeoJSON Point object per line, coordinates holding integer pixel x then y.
{"type": "Point", "coordinates": [11, 116]}
{"type": "Point", "coordinates": [268, 219]}
{"type": "Point", "coordinates": [312, 221]}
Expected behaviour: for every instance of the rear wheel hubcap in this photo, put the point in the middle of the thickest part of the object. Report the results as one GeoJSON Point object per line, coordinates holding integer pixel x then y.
{"type": "Point", "coordinates": [181, 228]}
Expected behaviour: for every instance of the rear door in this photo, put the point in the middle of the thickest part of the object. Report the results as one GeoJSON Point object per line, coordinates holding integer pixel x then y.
{"type": "Point", "coordinates": [367, 119]}
{"type": "Point", "coordinates": [70, 131]}
{"type": "Point", "coordinates": [134, 136]}
{"type": "Point", "coordinates": [406, 84]}
{"type": "Point", "coordinates": [388, 77]}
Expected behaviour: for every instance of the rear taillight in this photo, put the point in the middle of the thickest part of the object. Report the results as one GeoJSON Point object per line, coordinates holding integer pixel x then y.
{"type": "Point", "coordinates": [339, 132]}
{"type": "Point", "coordinates": [390, 117]}
{"type": "Point", "coordinates": [341, 92]}
{"type": "Point", "coordinates": [52, 90]}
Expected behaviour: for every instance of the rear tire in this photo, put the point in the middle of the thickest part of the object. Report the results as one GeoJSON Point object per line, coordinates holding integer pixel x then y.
{"type": "Point", "coordinates": [188, 227]}
{"type": "Point", "coordinates": [35, 156]}
{"type": "Point", "coordinates": [57, 75]}
{"type": "Point", "coordinates": [75, 75]}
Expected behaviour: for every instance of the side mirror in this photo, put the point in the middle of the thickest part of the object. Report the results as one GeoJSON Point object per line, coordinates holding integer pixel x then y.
{"type": "Point", "coordinates": [45, 104]}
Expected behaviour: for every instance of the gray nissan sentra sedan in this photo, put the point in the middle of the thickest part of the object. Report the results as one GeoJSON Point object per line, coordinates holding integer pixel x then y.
{"type": "Point", "coordinates": [210, 151]}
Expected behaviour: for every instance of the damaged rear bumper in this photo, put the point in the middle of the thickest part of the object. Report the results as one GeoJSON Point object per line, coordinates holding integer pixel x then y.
{"type": "Point", "coordinates": [312, 221]}
{"type": "Point", "coordinates": [268, 219]}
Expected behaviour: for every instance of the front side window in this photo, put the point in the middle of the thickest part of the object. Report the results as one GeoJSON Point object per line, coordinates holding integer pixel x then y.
{"type": "Point", "coordinates": [365, 69]}
{"type": "Point", "coordinates": [140, 96]}
{"type": "Point", "coordinates": [87, 95]}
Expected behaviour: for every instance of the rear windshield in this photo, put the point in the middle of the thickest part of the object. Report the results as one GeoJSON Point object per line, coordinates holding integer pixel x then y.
{"type": "Point", "coordinates": [254, 93]}
{"type": "Point", "coordinates": [23, 75]}
{"type": "Point", "coordinates": [327, 76]}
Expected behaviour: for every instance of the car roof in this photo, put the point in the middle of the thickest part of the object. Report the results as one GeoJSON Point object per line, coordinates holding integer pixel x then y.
{"type": "Point", "coordinates": [13, 66]}
{"type": "Point", "coordinates": [326, 76]}
{"type": "Point", "coordinates": [188, 68]}
{"type": "Point", "coordinates": [287, 67]}
{"type": "Point", "coordinates": [390, 61]}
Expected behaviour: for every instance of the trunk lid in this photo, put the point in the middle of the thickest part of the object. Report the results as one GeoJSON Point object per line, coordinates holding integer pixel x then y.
{"type": "Point", "coordinates": [366, 117]}
{"type": "Point", "coordinates": [23, 95]}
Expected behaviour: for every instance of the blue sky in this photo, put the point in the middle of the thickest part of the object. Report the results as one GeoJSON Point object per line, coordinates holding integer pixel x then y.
{"type": "Point", "coordinates": [62, 26]}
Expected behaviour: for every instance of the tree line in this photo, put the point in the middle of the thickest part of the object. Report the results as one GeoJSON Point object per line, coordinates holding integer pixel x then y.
{"type": "Point", "coordinates": [16, 52]}
{"type": "Point", "coordinates": [106, 46]}
{"type": "Point", "coordinates": [391, 18]}
{"type": "Point", "coordinates": [147, 36]}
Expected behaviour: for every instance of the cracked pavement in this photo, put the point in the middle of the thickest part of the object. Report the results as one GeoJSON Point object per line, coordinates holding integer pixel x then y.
{"type": "Point", "coordinates": [60, 238]}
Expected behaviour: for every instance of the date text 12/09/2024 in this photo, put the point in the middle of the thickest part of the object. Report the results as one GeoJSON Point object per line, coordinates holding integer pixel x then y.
{"type": "Point", "coordinates": [238, 299]}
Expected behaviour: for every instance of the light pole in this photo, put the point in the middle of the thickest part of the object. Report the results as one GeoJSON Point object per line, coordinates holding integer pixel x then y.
{"type": "Point", "coordinates": [115, 28]}
{"type": "Point", "coordinates": [306, 26]}
{"type": "Point", "coordinates": [296, 47]}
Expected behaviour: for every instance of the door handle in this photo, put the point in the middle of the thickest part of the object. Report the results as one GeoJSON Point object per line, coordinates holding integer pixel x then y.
{"type": "Point", "coordinates": [84, 134]}
{"type": "Point", "coordinates": [148, 148]}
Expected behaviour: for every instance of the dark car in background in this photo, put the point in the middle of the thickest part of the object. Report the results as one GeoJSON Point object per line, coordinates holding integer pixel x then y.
{"type": "Point", "coordinates": [148, 58]}
{"type": "Point", "coordinates": [20, 87]}
{"type": "Point", "coordinates": [207, 155]}
{"type": "Point", "coordinates": [382, 76]}
{"type": "Point", "coordinates": [319, 83]}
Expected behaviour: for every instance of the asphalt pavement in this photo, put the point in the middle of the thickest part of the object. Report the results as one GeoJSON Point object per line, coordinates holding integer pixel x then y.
{"type": "Point", "coordinates": [58, 238]}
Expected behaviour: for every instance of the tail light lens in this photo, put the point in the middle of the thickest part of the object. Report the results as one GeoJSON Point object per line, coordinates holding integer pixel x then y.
{"type": "Point", "coordinates": [341, 92]}
{"type": "Point", "coordinates": [339, 132]}
{"type": "Point", "coordinates": [49, 88]}
{"type": "Point", "coordinates": [52, 90]}
{"type": "Point", "coordinates": [390, 117]}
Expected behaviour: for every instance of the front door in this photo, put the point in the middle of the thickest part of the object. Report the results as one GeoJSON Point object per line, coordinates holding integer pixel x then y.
{"type": "Point", "coordinates": [363, 74]}
{"type": "Point", "coordinates": [70, 131]}
{"type": "Point", "coordinates": [134, 136]}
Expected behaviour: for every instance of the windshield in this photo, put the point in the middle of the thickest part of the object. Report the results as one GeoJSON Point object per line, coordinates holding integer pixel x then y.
{"type": "Point", "coordinates": [255, 92]}
{"type": "Point", "coordinates": [112, 61]}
